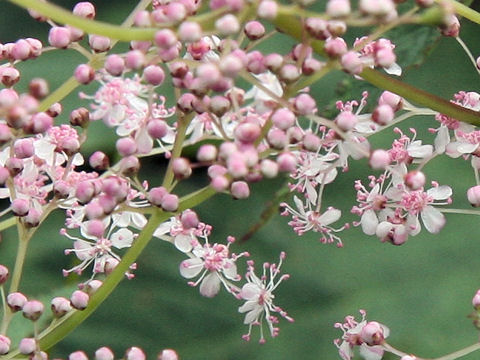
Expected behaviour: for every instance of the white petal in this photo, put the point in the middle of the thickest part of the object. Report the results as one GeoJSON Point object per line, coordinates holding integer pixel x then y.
{"type": "Point", "coordinates": [440, 192]}
{"type": "Point", "coordinates": [183, 243]}
{"type": "Point", "coordinates": [122, 238]}
{"type": "Point", "coordinates": [330, 216]}
{"type": "Point", "coordinates": [466, 148]}
{"type": "Point", "coordinates": [250, 291]}
{"type": "Point", "coordinates": [191, 267]}
{"type": "Point", "coordinates": [394, 69]}
{"type": "Point", "coordinates": [442, 139]}
{"type": "Point", "coordinates": [419, 151]}
{"type": "Point", "coordinates": [210, 285]}
{"type": "Point", "coordinates": [369, 222]}
{"type": "Point", "coordinates": [371, 352]}
{"type": "Point", "coordinates": [433, 219]}
{"type": "Point", "coordinates": [230, 270]}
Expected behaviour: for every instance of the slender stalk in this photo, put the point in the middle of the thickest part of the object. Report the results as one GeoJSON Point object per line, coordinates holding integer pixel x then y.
{"type": "Point", "coordinates": [420, 96]}
{"type": "Point", "coordinates": [63, 16]}
{"type": "Point", "coordinates": [460, 353]}
{"type": "Point", "coordinates": [183, 122]}
{"type": "Point", "coordinates": [462, 10]}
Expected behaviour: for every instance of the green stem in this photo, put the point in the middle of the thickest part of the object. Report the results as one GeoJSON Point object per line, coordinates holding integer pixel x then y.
{"type": "Point", "coordinates": [64, 326]}
{"type": "Point", "coordinates": [462, 10]}
{"type": "Point", "coordinates": [420, 96]}
{"type": "Point", "coordinates": [63, 16]}
{"type": "Point", "coordinates": [5, 224]}
{"type": "Point", "coordinates": [183, 122]}
{"type": "Point", "coordinates": [293, 27]}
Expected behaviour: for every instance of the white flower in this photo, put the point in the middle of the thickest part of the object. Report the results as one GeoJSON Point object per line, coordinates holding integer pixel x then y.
{"type": "Point", "coordinates": [258, 296]}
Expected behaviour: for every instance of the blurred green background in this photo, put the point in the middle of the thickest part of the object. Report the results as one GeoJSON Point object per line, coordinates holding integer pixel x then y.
{"type": "Point", "coordinates": [421, 290]}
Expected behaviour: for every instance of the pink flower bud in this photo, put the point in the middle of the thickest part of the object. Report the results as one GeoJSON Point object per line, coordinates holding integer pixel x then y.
{"type": "Point", "coordinates": [311, 142]}
{"type": "Point", "coordinates": [372, 333]}
{"type": "Point", "coordinates": [92, 286]}
{"type": "Point", "coordinates": [283, 118]}
{"type": "Point", "coordinates": [415, 180]}
{"type": "Point", "coordinates": [134, 59]}
{"type": "Point", "coordinates": [165, 39]}
{"type": "Point", "coordinates": [129, 165]}
{"type": "Point", "coordinates": [157, 128]}
{"type": "Point", "coordinates": [175, 12]}
{"type": "Point", "coordinates": [267, 9]}
{"type": "Point", "coordinates": [289, 73]}
{"type": "Point", "coordinates": [237, 166]}
{"type": "Point", "coordinates": [254, 30]}
{"type": "Point", "coordinates": [391, 99]}
{"type": "Point", "coordinates": [85, 191]}
{"type": "Point", "coordinates": [84, 74]}
{"type": "Point", "coordinates": [38, 88]}
{"type": "Point", "coordinates": [104, 353]}
{"type": "Point", "coordinates": [9, 76]}
{"type": "Point", "coordinates": [269, 168]}
{"type": "Point", "coordinates": [317, 28]}
{"type": "Point", "coordinates": [338, 8]}
{"type": "Point", "coordinates": [3, 274]}
{"type": "Point", "coordinates": [21, 50]}
{"type": "Point", "coordinates": [207, 153]}
{"type": "Point", "coordinates": [14, 166]}
{"type": "Point", "coordinates": [93, 210]}
{"type": "Point", "coordinates": [95, 228]}
{"type": "Point", "coordinates": [476, 300]}
{"type": "Point", "coordinates": [4, 175]}
{"type": "Point", "coordinates": [79, 300]}
{"type": "Point", "coordinates": [168, 354]}
{"type": "Point", "coordinates": [286, 162]}
{"type": "Point", "coordinates": [346, 120]}
{"type": "Point", "coordinates": [181, 168]}
{"type": "Point", "coordinates": [27, 346]}
{"type": "Point", "coordinates": [273, 61]}
{"type": "Point", "coordinates": [219, 183]}
{"type": "Point", "coordinates": [219, 105]}
{"type": "Point", "coordinates": [351, 63]}
{"type": "Point", "coordinates": [379, 159]}
{"type": "Point", "coordinates": [54, 110]}
{"type": "Point", "coordinates": [15, 301]}
{"type": "Point", "coordinates": [20, 206]}
{"type": "Point", "coordinates": [216, 170]}
{"type": "Point", "coordinates": [78, 355]}
{"type": "Point", "coordinates": [335, 47]}
{"type": "Point", "coordinates": [156, 194]}
{"type": "Point", "coordinates": [8, 98]}
{"type": "Point", "coordinates": [154, 75]}
{"type": "Point", "coordinates": [60, 306]}
{"type": "Point", "coordinates": [304, 104]}
{"type": "Point", "coordinates": [114, 64]}
{"type": "Point", "coordinates": [126, 146]}
{"type": "Point", "coordinates": [59, 37]}
{"type": "Point", "coordinates": [170, 202]}
{"type": "Point", "coordinates": [4, 344]}
{"type": "Point", "coordinates": [247, 132]}
{"type": "Point", "coordinates": [189, 219]}
{"type": "Point", "coordinates": [383, 114]}
{"type": "Point", "coordinates": [189, 31]}
{"type": "Point", "coordinates": [227, 25]}
{"type": "Point", "coordinates": [240, 190]}
{"type": "Point", "coordinates": [277, 138]}
{"type": "Point", "coordinates": [255, 62]}
{"type": "Point", "coordinates": [41, 122]}
{"type": "Point", "coordinates": [135, 353]}
{"type": "Point", "coordinates": [32, 310]}
{"type": "Point", "coordinates": [33, 217]}
{"type": "Point", "coordinates": [311, 66]}
{"type": "Point", "coordinates": [99, 43]}
{"type": "Point", "coordinates": [99, 161]}
{"type": "Point", "coordinates": [23, 148]}
{"type": "Point", "coordinates": [84, 9]}
{"type": "Point", "coordinates": [473, 196]}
